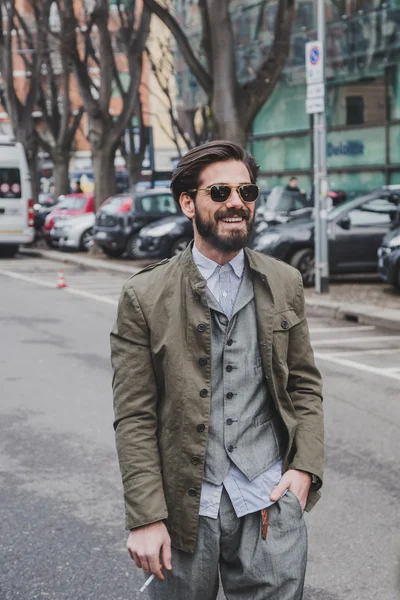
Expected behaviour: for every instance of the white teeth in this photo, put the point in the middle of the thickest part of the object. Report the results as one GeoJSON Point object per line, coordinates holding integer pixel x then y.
{"type": "Point", "coordinates": [233, 220]}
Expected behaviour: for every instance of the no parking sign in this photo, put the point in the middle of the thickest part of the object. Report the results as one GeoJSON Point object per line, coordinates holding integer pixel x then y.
{"type": "Point", "coordinates": [314, 62]}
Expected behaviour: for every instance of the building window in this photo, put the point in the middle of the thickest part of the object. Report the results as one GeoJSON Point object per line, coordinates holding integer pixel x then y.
{"type": "Point", "coordinates": [354, 110]}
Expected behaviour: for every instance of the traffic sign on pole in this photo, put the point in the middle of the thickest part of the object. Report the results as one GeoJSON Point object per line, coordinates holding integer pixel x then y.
{"type": "Point", "coordinates": [314, 62]}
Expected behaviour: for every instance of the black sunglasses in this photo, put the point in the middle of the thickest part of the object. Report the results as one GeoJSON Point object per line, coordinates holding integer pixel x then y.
{"type": "Point", "coordinates": [248, 192]}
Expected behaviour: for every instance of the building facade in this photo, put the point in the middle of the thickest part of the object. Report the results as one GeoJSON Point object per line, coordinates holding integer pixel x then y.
{"type": "Point", "coordinates": [363, 91]}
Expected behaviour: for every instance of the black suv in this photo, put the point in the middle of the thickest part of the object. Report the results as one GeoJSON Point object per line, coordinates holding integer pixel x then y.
{"type": "Point", "coordinates": [120, 218]}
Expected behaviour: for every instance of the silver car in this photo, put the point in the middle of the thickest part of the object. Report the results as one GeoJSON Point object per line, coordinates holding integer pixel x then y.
{"type": "Point", "coordinates": [74, 233]}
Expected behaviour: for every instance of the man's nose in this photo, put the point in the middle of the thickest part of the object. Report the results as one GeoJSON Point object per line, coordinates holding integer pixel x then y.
{"type": "Point", "coordinates": [234, 200]}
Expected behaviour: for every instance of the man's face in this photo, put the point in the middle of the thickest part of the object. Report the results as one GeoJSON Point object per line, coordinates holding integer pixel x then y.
{"type": "Point", "coordinates": [293, 183]}
{"type": "Point", "coordinates": [224, 226]}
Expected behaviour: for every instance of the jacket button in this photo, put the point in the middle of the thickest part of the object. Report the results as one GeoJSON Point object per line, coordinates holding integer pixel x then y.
{"type": "Point", "coordinates": [230, 448]}
{"type": "Point", "coordinates": [203, 362]}
{"type": "Point", "coordinates": [204, 393]}
{"type": "Point", "coordinates": [285, 325]}
{"type": "Point", "coordinates": [229, 421]}
{"type": "Point", "coordinates": [192, 492]}
{"type": "Point", "coordinates": [229, 368]}
{"type": "Point", "coordinates": [197, 296]}
{"type": "Point", "coordinates": [229, 395]}
{"type": "Point", "coordinates": [201, 327]}
{"type": "Point", "coordinates": [229, 342]}
{"type": "Point", "coordinates": [195, 460]}
{"type": "Point", "coordinates": [201, 428]}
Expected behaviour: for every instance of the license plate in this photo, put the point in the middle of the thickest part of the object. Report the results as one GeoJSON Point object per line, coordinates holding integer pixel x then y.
{"type": "Point", "coordinates": [101, 235]}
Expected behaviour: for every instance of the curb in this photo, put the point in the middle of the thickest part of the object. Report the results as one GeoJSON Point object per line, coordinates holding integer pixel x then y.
{"type": "Point", "coordinates": [367, 314]}
{"type": "Point", "coordinates": [364, 314]}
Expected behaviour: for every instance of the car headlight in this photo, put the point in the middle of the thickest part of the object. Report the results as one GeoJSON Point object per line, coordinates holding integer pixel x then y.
{"type": "Point", "coordinates": [159, 231]}
{"type": "Point", "coordinates": [267, 239]}
{"type": "Point", "coordinates": [394, 242]}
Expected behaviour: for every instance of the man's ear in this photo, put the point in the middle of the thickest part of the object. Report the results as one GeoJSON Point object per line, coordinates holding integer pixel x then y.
{"type": "Point", "coordinates": [187, 205]}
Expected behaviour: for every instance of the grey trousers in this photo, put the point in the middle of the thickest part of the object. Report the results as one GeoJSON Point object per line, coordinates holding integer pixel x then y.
{"type": "Point", "coordinates": [250, 568]}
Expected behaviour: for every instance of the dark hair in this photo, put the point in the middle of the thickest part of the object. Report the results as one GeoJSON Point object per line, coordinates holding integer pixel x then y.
{"type": "Point", "coordinates": [187, 173]}
{"type": "Point", "coordinates": [294, 178]}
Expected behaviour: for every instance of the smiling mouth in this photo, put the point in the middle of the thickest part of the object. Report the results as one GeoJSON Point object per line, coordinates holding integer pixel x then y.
{"type": "Point", "coordinates": [232, 220]}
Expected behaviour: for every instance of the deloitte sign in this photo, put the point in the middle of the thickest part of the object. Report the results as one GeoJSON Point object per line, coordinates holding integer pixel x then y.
{"type": "Point", "coordinates": [349, 148]}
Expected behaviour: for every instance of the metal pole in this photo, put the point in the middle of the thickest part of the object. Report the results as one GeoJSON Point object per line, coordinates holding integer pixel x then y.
{"type": "Point", "coordinates": [323, 180]}
{"type": "Point", "coordinates": [317, 204]}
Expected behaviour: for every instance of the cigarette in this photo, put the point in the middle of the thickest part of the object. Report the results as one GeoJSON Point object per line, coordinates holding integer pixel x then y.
{"type": "Point", "coordinates": [147, 583]}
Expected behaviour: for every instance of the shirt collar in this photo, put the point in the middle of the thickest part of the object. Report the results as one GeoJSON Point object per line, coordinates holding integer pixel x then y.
{"type": "Point", "coordinates": [206, 266]}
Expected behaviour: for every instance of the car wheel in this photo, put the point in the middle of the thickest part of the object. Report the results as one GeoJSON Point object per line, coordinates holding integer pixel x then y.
{"type": "Point", "coordinates": [86, 240]}
{"type": "Point", "coordinates": [179, 246]}
{"type": "Point", "coordinates": [304, 261]}
{"type": "Point", "coordinates": [8, 251]}
{"type": "Point", "coordinates": [113, 252]}
{"type": "Point", "coordinates": [132, 248]}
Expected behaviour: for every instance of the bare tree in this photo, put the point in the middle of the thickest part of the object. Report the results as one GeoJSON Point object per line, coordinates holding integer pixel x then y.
{"type": "Point", "coordinates": [234, 105]}
{"type": "Point", "coordinates": [99, 42]}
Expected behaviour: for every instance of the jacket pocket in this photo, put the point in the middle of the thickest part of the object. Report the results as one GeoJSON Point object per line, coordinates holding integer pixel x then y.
{"type": "Point", "coordinates": [261, 419]}
{"type": "Point", "coordinates": [283, 322]}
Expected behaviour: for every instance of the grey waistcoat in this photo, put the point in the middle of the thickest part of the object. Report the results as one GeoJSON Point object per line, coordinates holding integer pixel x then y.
{"type": "Point", "coordinates": [245, 427]}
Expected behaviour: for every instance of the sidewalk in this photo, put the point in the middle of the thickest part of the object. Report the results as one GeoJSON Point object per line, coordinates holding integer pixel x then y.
{"type": "Point", "coordinates": [362, 300]}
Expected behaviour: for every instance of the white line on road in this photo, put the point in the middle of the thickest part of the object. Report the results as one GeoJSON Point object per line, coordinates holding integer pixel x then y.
{"type": "Point", "coordinates": [358, 352]}
{"type": "Point", "coordinates": [362, 340]}
{"type": "Point", "coordinates": [339, 329]}
{"type": "Point", "coordinates": [355, 365]}
{"type": "Point", "coordinates": [69, 290]}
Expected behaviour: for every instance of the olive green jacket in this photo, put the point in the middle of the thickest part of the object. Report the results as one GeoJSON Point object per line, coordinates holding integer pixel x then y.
{"type": "Point", "coordinates": [160, 352]}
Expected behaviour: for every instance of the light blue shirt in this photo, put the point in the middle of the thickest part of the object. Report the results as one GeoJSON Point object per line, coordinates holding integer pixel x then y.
{"type": "Point", "coordinates": [246, 496]}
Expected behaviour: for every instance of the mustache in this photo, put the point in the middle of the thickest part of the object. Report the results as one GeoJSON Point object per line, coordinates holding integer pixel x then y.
{"type": "Point", "coordinates": [244, 213]}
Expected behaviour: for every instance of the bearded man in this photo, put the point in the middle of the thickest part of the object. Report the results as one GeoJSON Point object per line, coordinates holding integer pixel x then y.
{"type": "Point", "coordinates": [218, 406]}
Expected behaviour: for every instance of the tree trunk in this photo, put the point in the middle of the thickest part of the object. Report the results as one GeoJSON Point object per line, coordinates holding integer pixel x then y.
{"type": "Point", "coordinates": [34, 173]}
{"type": "Point", "coordinates": [61, 168]}
{"type": "Point", "coordinates": [104, 173]}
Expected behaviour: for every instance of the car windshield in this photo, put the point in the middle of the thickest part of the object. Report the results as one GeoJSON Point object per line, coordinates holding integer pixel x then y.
{"type": "Point", "coordinates": [342, 208]}
{"type": "Point", "coordinates": [10, 183]}
{"type": "Point", "coordinates": [281, 200]}
{"type": "Point", "coordinates": [114, 204]}
{"type": "Point", "coordinates": [72, 203]}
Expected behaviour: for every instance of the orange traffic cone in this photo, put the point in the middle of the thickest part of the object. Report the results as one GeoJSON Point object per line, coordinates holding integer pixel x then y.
{"type": "Point", "coordinates": [60, 279]}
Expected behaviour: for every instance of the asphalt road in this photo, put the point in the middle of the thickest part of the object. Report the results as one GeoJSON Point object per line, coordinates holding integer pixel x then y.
{"type": "Point", "coordinates": [61, 511]}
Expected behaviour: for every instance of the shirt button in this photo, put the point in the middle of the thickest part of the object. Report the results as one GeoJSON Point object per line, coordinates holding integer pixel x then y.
{"type": "Point", "coordinates": [229, 395]}
{"type": "Point", "coordinates": [229, 368]}
{"type": "Point", "coordinates": [229, 421]}
{"type": "Point", "coordinates": [229, 342]}
{"type": "Point", "coordinates": [195, 460]}
{"type": "Point", "coordinates": [285, 325]}
{"type": "Point", "coordinates": [204, 393]}
{"type": "Point", "coordinates": [201, 428]}
{"type": "Point", "coordinates": [192, 492]}
{"type": "Point", "coordinates": [197, 296]}
{"type": "Point", "coordinates": [203, 362]}
{"type": "Point", "coordinates": [201, 327]}
{"type": "Point", "coordinates": [230, 448]}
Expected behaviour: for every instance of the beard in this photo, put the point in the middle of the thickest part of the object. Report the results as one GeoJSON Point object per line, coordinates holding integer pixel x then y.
{"type": "Point", "coordinates": [232, 241]}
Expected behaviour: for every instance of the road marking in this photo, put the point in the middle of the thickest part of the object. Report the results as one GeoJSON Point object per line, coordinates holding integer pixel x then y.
{"type": "Point", "coordinates": [363, 340]}
{"type": "Point", "coordinates": [359, 366]}
{"type": "Point", "coordinates": [52, 286]}
{"type": "Point", "coordinates": [358, 352]}
{"type": "Point", "coordinates": [339, 329]}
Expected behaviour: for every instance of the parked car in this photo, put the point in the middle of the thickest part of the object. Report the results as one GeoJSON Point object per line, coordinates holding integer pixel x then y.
{"type": "Point", "coordinates": [70, 205]}
{"type": "Point", "coordinates": [75, 233]}
{"type": "Point", "coordinates": [389, 258]}
{"type": "Point", "coordinates": [165, 238]}
{"type": "Point", "coordinates": [280, 206]}
{"type": "Point", "coordinates": [355, 231]}
{"type": "Point", "coordinates": [120, 218]}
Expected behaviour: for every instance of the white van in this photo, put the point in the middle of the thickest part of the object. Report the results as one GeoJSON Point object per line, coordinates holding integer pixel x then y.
{"type": "Point", "coordinates": [16, 204]}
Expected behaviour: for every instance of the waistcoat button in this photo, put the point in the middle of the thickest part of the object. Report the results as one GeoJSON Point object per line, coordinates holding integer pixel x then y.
{"type": "Point", "coordinates": [285, 325]}
{"type": "Point", "coordinates": [201, 327]}
{"type": "Point", "coordinates": [195, 460]}
{"type": "Point", "coordinates": [229, 395]}
{"type": "Point", "coordinates": [204, 393]}
{"type": "Point", "coordinates": [192, 492]}
{"type": "Point", "coordinates": [203, 362]}
{"type": "Point", "coordinates": [229, 368]}
{"type": "Point", "coordinates": [229, 342]}
{"type": "Point", "coordinates": [197, 296]}
{"type": "Point", "coordinates": [201, 428]}
{"type": "Point", "coordinates": [230, 448]}
{"type": "Point", "coordinates": [229, 421]}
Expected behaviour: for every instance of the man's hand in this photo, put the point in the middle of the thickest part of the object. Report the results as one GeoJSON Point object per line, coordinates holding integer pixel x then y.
{"type": "Point", "coordinates": [297, 482]}
{"type": "Point", "coordinates": [145, 545]}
